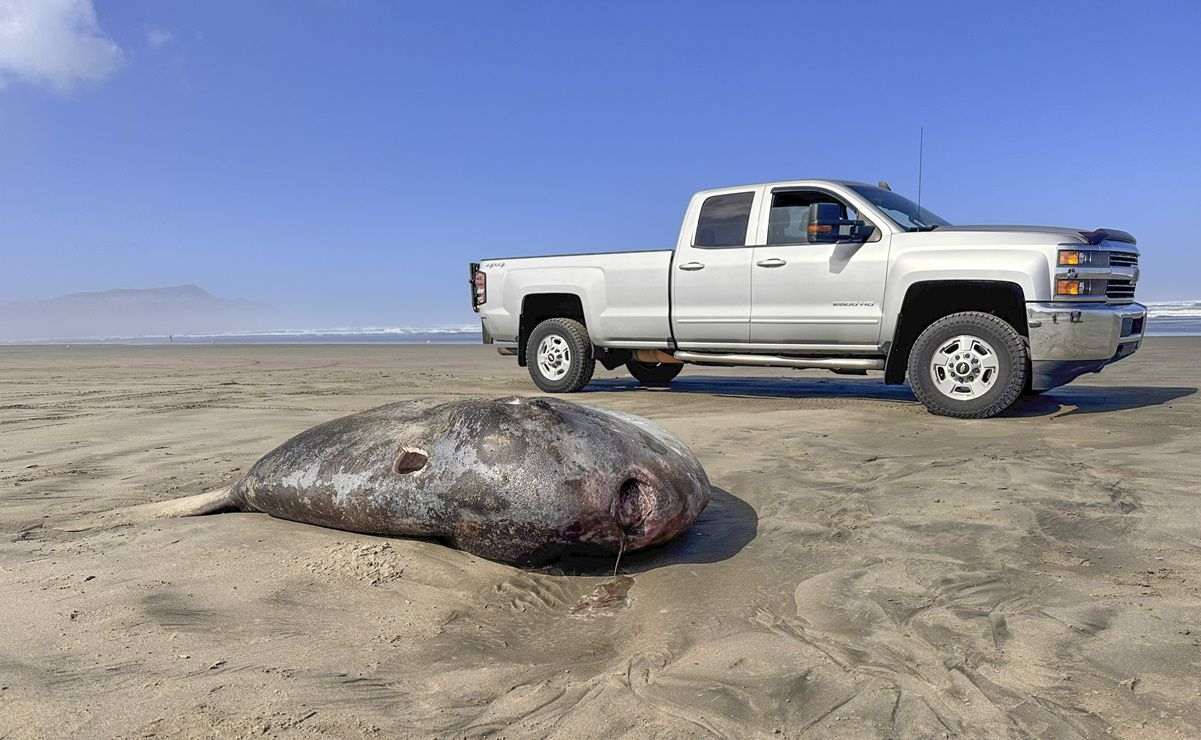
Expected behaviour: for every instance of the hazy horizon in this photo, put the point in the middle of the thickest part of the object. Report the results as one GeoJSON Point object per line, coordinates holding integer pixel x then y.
{"type": "Point", "coordinates": [180, 312]}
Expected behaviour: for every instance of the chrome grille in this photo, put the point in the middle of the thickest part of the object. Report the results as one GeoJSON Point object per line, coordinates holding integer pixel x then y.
{"type": "Point", "coordinates": [1123, 259]}
{"type": "Point", "coordinates": [1121, 290]}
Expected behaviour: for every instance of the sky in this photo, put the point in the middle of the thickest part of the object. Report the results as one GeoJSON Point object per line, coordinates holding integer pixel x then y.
{"type": "Point", "coordinates": [343, 160]}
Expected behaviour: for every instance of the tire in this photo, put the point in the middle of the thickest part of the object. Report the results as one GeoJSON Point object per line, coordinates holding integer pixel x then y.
{"type": "Point", "coordinates": [654, 374]}
{"type": "Point", "coordinates": [968, 365]}
{"type": "Point", "coordinates": [568, 362]}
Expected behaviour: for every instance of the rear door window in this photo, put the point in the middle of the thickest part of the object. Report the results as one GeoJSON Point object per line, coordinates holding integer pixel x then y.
{"type": "Point", "coordinates": [723, 220]}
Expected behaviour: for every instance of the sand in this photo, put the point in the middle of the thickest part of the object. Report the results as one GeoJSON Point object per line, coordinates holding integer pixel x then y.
{"type": "Point", "coordinates": [866, 569]}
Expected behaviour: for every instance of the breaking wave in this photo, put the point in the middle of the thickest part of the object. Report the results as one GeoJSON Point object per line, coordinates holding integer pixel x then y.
{"type": "Point", "coordinates": [1174, 309]}
{"type": "Point", "coordinates": [1174, 318]}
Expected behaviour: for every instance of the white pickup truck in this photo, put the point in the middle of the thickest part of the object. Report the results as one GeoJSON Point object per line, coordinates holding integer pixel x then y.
{"type": "Point", "coordinates": [827, 274]}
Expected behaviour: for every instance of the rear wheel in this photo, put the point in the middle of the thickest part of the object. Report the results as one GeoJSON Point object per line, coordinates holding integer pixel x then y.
{"type": "Point", "coordinates": [559, 356]}
{"type": "Point", "coordinates": [969, 365]}
{"type": "Point", "coordinates": [654, 374]}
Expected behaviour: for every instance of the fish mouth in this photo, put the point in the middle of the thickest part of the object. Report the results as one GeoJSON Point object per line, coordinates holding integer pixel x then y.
{"type": "Point", "coordinates": [644, 513]}
{"type": "Point", "coordinates": [631, 509]}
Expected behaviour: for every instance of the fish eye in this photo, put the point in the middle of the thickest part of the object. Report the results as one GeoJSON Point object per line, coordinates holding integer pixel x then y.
{"type": "Point", "coordinates": [409, 460]}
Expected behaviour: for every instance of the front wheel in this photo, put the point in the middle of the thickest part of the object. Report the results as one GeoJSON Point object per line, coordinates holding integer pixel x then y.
{"type": "Point", "coordinates": [559, 356]}
{"type": "Point", "coordinates": [969, 365]}
{"type": "Point", "coordinates": [654, 374]}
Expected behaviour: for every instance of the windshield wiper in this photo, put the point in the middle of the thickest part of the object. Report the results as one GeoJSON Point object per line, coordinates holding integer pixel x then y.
{"type": "Point", "coordinates": [932, 227]}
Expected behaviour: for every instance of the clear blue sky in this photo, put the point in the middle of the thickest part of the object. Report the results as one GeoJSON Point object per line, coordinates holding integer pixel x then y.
{"type": "Point", "coordinates": [345, 159]}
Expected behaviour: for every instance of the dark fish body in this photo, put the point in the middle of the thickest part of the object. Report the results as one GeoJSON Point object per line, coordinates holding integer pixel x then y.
{"type": "Point", "coordinates": [518, 480]}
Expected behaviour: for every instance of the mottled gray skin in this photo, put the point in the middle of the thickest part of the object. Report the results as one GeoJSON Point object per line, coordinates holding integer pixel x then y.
{"type": "Point", "coordinates": [516, 480]}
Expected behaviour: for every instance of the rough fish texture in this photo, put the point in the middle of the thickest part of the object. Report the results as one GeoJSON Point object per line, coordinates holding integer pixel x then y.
{"type": "Point", "coordinates": [518, 480]}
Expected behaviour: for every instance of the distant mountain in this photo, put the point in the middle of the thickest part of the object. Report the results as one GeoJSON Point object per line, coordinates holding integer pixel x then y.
{"type": "Point", "coordinates": [129, 312]}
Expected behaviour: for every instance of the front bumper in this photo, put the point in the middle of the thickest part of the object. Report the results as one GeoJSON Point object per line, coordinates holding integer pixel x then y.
{"type": "Point", "coordinates": [1070, 339]}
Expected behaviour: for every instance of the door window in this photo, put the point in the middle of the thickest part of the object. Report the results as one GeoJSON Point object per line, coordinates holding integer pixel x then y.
{"type": "Point", "coordinates": [723, 220]}
{"type": "Point", "coordinates": [788, 222]}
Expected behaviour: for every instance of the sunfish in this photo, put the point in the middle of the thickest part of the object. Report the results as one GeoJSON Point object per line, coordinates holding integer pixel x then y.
{"type": "Point", "coordinates": [517, 480]}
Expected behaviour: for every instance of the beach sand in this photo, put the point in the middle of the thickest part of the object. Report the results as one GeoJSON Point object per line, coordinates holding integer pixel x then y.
{"type": "Point", "coordinates": [866, 569]}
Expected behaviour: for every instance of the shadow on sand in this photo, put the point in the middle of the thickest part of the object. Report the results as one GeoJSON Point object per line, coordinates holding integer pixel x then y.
{"type": "Point", "coordinates": [726, 526]}
{"type": "Point", "coordinates": [1075, 399]}
{"type": "Point", "coordinates": [761, 387]}
{"type": "Point", "coordinates": [1084, 399]}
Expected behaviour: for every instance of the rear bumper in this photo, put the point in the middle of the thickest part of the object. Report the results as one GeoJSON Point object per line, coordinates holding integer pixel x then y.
{"type": "Point", "coordinates": [1070, 339]}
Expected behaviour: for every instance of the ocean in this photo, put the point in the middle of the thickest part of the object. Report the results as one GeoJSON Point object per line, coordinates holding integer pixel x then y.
{"type": "Point", "coordinates": [385, 335]}
{"type": "Point", "coordinates": [397, 335]}
{"type": "Point", "coordinates": [1174, 318]}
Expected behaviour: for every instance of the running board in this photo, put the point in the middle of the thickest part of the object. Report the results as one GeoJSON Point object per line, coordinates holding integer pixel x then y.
{"type": "Point", "coordinates": [820, 363]}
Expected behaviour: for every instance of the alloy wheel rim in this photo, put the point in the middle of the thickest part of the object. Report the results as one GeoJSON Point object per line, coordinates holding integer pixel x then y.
{"type": "Point", "coordinates": [554, 357]}
{"type": "Point", "coordinates": [964, 367]}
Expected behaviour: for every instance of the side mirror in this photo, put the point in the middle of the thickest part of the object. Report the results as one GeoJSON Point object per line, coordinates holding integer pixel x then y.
{"type": "Point", "coordinates": [827, 226]}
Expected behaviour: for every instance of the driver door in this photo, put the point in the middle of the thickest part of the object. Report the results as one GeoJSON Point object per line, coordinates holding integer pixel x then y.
{"type": "Point", "coordinates": [814, 296]}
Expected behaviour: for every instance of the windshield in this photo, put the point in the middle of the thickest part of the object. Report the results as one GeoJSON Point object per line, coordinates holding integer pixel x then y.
{"type": "Point", "coordinates": [900, 209]}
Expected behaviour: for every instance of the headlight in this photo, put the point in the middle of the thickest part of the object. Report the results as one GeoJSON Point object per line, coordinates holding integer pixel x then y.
{"type": "Point", "coordinates": [1080, 258]}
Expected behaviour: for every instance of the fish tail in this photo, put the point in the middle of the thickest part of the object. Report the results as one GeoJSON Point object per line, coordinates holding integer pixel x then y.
{"type": "Point", "coordinates": [210, 502]}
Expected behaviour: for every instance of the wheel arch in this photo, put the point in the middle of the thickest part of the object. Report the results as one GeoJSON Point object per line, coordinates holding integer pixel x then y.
{"type": "Point", "coordinates": [538, 307]}
{"type": "Point", "coordinates": [930, 300]}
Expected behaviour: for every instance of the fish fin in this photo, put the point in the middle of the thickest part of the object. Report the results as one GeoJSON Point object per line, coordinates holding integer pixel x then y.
{"type": "Point", "coordinates": [211, 502]}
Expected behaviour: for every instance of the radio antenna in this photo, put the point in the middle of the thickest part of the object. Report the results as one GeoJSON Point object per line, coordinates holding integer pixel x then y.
{"type": "Point", "coordinates": [921, 150]}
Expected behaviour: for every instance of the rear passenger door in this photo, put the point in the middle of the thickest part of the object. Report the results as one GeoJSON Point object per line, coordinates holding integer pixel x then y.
{"type": "Point", "coordinates": [711, 272]}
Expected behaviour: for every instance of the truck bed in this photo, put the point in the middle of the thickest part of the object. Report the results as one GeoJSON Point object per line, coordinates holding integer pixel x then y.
{"type": "Point", "coordinates": [626, 293]}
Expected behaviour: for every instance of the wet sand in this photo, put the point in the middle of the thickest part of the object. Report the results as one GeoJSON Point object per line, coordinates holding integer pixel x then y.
{"type": "Point", "coordinates": [866, 569]}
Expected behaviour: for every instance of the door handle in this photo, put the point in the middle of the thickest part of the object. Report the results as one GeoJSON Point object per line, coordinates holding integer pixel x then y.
{"type": "Point", "coordinates": [773, 262]}
{"type": "Point", "coordinates": [692, 266]}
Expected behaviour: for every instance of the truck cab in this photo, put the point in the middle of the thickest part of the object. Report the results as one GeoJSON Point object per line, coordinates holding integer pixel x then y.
{"type": "Point", "coordinates": [840, 275]}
